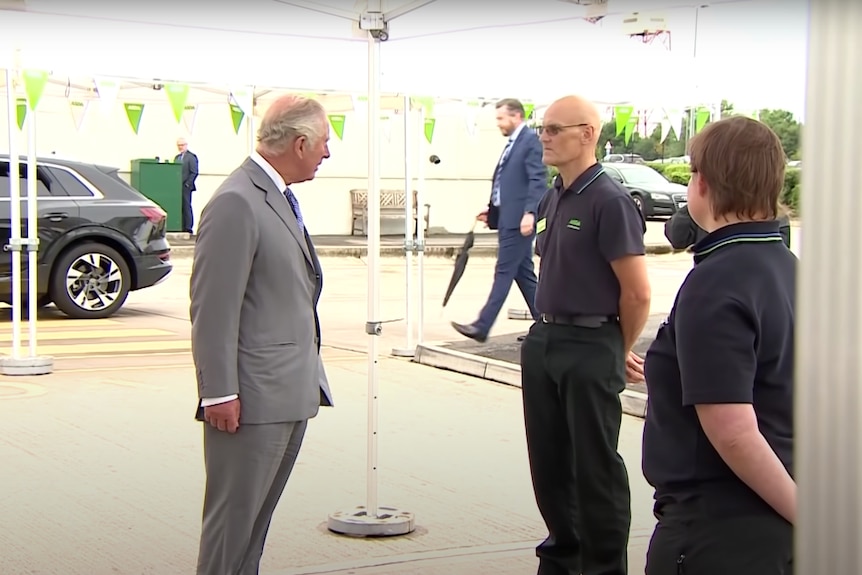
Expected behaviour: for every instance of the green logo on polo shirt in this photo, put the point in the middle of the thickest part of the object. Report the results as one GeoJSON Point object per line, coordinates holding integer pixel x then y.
{"type": "Point", "coordinates": [574, 224]}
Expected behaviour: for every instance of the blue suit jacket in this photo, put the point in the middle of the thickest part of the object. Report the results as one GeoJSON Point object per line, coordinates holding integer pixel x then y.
{"type": "Point", "coordinates": [523, 182]}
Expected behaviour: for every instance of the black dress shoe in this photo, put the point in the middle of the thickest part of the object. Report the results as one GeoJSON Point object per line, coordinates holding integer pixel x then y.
{"type": "Point", "coordinates": [522, 337]}
{"type": "Point", "coordinates": [470, 331]}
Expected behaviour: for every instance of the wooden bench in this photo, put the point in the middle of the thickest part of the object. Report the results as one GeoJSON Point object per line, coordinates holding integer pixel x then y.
{"type": "Point", "coordinates": [392, 204]}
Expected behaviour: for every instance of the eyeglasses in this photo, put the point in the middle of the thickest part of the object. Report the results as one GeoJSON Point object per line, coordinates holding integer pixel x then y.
{"type": "Point", "coordinates": [555, 129]}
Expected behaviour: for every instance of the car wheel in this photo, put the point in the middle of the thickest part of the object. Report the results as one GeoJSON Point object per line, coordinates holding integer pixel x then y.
{"type": "Point", "coordinates": [90, 281]}
{"type": "Point", "coordinates": [639, 202]}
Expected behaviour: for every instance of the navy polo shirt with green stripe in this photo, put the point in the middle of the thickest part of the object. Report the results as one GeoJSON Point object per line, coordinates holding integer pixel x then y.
{"type": "Point", "coordinates": [580, 230]}
{"type": "Point", "coordinates": [727, 340]}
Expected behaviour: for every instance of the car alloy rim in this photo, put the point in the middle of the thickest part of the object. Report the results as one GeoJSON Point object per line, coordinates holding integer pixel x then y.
{"type": "Point", "coordinates": [94, 281]}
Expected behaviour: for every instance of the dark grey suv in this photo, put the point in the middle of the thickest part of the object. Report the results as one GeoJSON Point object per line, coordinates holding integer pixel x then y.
{"type": "Point", "coordinates": [99, 238]}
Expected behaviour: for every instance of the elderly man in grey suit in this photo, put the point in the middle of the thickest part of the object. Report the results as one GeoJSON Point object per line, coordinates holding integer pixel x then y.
{"type": "Point", "coordinates": [255, 284]}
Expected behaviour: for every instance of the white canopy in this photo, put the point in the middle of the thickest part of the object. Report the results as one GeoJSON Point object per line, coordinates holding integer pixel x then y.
{"type": "Point", "coordinates": [444, 49]}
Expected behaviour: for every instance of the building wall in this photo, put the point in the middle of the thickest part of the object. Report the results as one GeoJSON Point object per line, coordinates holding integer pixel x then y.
{"type": "Point", "coordinates": [456, 189]}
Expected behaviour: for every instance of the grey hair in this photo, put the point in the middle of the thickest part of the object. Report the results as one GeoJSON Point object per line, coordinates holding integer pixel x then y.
{"type": "Point", "coordinates": [293, 118]}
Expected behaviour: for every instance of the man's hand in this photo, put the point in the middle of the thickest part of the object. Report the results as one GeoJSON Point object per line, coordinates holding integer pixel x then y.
{"type": "Point", "coordinates": [483, 216]}
{"type": "Point", "coordinates": [527, 223]}
{"type": "Point", "coordinates": [634, 368]}
{"type": "Point", "coordinates": [223, 416]}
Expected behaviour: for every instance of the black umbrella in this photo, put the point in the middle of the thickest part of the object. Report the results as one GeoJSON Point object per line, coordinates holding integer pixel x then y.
{"type": "Point", "coordinates": [460, 265]}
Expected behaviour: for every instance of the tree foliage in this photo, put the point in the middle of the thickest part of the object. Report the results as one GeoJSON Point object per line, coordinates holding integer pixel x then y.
{"type": "Point", "coordinates": [782, 122]}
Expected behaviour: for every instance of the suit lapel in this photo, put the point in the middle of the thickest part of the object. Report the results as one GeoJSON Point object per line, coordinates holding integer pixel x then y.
{"type": "Point", "coordinates": [279, 205]}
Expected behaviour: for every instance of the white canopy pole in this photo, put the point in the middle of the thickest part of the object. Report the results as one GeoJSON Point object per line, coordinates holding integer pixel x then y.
{"type": "Point", "coordinates": [15, 216]}
{"type": "Point", "coordinates": [409, 350]}
{"type": "Point", "coordinates": [828, 466]}
{"type": "Point", "coordinates": [373, 519]}
{"type": "Point", "coordinates": [252, 141]}
{"type": "Point", "coordinates": [32, 233]}
{"type": "Point", "coordinates": [420, 232]}
{"type": "Point", "coordinates": [373, 326]}
{"type": "Point", "coordinates": [15, 364]}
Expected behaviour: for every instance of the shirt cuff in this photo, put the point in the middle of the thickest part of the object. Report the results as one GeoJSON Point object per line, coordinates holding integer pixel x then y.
{"type": "Point", "coordinates": [210, 401]}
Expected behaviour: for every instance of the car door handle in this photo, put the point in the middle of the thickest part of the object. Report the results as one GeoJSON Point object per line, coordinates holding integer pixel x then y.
{"type": "Point", "coordinates": [57, 216]}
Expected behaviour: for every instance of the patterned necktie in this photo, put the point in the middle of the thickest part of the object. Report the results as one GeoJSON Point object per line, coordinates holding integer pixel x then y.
{"type": "Point", "coordinates": [294, 204]}
{"type": "Point", "coordinates": [495, 190]}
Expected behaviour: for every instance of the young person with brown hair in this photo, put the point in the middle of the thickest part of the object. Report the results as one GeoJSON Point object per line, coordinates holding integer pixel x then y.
{"type": "Point", "coordinates": [718, 436]}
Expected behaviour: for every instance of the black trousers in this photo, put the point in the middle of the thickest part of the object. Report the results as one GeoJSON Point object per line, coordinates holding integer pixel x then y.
{"type": "Point", "coordinates": [714, 536]}
{"type": "Point", "coordinates": [188, 216]}
{"type": "Point", "coordinates": [571, 381]}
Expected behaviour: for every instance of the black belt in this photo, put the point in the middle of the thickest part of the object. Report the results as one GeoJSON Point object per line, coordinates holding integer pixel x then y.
{"type": "Point", "coordinates": [577, 320]}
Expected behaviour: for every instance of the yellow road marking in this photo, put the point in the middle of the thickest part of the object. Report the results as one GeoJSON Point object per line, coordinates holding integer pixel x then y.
{"type": "Point", "coordinates": [188, 365]}
{"type": "Point", "coordinates": [89, 334]}
{"type": "Point", "coordinates": [115, 347]}
{"type": "Point", "coordinates": [62, 322]}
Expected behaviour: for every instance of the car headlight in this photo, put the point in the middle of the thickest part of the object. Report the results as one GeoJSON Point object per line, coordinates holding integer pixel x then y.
{"type": "Point", "coordinates": [659, 196]}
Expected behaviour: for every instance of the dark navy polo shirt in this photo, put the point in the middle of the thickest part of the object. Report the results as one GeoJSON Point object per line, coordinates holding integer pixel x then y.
{"type": "Point", "coordinates": [728, 339]}
{"type": "Point", "coordinates": [579, 232]}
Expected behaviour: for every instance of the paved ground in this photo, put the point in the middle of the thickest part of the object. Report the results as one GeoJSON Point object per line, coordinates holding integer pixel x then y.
{"type": "Point", "coordinates": [102, 469]}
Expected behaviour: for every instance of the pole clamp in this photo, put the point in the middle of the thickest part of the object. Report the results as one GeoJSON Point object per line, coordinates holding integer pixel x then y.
{"type": "Point", "coordinates": [22, 245]}
{"type": "Point", "coordinates": [376, 327]}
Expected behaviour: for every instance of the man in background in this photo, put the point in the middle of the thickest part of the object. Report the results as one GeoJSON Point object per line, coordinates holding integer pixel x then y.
{"type": "Point", "coordinates": [519, 182]}
{"type": "Point", "coordinates": [190, 174]}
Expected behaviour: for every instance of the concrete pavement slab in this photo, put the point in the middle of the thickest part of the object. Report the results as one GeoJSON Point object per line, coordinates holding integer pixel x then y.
{"type": "Point", "coordinates": [107, 475]}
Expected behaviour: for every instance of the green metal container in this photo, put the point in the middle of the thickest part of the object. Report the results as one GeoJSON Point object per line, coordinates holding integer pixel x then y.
{"type": "Point", "coordinates": [162, 182]}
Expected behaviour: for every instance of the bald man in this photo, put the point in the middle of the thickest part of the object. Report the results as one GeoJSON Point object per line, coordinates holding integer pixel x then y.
{"type": "Point", "coordinates": [255, 284]}
{"type": "Point", "coordinates": [190, 175]}
{"type": "Point", "coordinates": [593, 299]}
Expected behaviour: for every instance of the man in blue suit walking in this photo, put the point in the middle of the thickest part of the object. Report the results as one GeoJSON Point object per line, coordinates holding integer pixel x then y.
{"type": "Point", "coordinates": [520, 181]}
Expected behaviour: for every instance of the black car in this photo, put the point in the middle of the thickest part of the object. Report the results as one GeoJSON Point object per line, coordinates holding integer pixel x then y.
{"type": "Point", "coordinates": [99, 238]}
{"type": "Point", "coordinates": [653, 194]}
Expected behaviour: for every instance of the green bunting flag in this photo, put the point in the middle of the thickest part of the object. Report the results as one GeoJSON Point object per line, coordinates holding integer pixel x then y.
{"type": "Point", "coordinates": [700, 119]}
{"type": "Point", "coordinates": [630, 128]}
{"type": "Point", "coordinates": [424, 102]}
{"type": "Point", "coordinates": [337, 123]}
{"type": "Point", "coordinates": [34, 84]}
{"type": "Point", "coordinates": [134, 112]}
{"type": "Point", "coordinates": [621, 116]}
{"type": "Point", "coordinates": [177, 96]}
{"type": "Point", "coordinates": [429, 128]}
{"type": "Point", "coordinates": [22, 112]}
{"type": "Point", "coordinates": [236, 116]}
{"type": "Point", "coordinates": [528, 110]}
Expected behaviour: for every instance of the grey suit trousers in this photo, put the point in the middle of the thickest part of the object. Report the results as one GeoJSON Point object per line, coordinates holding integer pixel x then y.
{"type": "Point", "coordinates": [246, 474]}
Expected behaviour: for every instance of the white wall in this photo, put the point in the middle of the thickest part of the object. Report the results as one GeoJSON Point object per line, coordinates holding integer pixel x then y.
{"type": "Point", "coordinates": [456, 188]}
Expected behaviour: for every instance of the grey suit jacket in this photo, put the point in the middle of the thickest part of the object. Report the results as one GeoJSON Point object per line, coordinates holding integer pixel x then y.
{"type": "Point", "coordinates": [255, 284]}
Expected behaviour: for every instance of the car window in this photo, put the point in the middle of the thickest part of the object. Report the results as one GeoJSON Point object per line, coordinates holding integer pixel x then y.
{"type": "Point", "coordinates": [43, 182]}
{"type": "Point", "coordinates": [615, 175]}
{"type": "Point", "coordinates": [644, 175]}
{"type": "Point", "coordinates": [73, 186]}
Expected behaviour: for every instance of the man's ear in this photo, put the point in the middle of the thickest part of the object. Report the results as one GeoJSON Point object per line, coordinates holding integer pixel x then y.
{"type": "Point", "coordinates": [300, 145]}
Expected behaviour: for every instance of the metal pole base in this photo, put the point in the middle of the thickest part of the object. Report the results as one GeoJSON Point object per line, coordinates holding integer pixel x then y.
{"type": "Point", "coordinates": [39, 365]}
{"type": "Point", "coordinates": [520, 314]}
{"type": "Point", "coordinates": [356, 522]}
{"type": "Point", "coordinates": [403, 352]}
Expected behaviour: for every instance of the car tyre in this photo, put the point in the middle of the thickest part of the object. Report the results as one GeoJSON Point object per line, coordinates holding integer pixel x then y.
{"type": "Point", "coordinates": [90, 281]}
